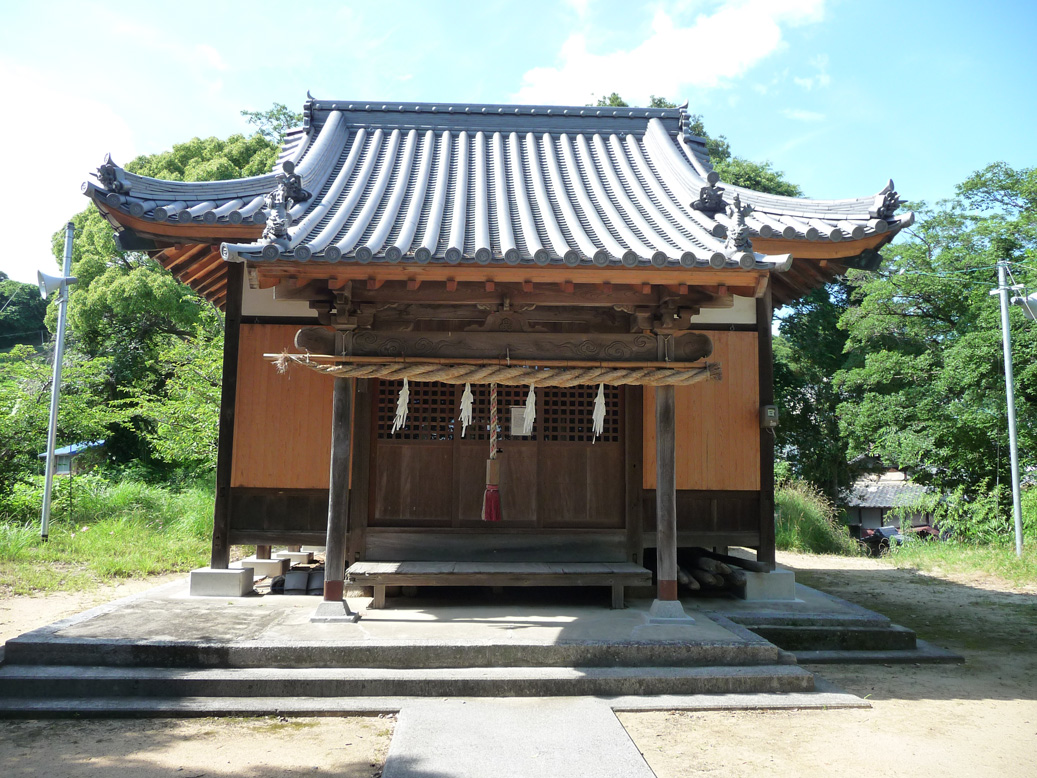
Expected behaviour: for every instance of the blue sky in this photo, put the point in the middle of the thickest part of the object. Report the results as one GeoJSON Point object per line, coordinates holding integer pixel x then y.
{"type": "Point", "coordinates": [838, 94]}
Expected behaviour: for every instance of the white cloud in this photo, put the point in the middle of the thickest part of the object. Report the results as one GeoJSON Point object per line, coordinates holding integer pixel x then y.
{"type": "Point", "coordinates": [57, 136]}
{"type": "Point", "coordinates": [820, 78]}
{"type": "Point", "coordinates": [712, 50]}
{"type": "Point", "coordinates": [803, 116]}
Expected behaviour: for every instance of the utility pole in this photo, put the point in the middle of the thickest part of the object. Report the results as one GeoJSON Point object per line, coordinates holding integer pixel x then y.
{"type": "Point", "coordinates": [1006, 336]}
{"type": "Point", "coordinates": [47, 285]}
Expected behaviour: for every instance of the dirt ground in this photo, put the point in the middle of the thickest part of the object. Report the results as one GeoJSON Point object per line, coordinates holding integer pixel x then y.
{"type": "Point", "coordinates": [976, 719]}
{"type": "Point", "coordinates": [351, 747]}
{"type": "Point", "coordinates": [192, 748]}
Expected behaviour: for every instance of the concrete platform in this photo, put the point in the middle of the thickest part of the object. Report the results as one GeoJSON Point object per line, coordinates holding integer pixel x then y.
{"type": "Point", "coordinates": [149, 651]}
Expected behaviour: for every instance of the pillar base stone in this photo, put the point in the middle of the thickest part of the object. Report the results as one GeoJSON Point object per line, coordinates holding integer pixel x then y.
{"type": "Point", "coordinates": [668, 612]}
{"type": "Point", "coordinates": [334, 612]}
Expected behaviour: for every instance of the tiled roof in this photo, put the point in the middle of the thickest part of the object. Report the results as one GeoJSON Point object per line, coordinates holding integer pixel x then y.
{"type": "Point", "coordinates": [870, 493]}
{"type": "Point", "coordinates": [488, 184]}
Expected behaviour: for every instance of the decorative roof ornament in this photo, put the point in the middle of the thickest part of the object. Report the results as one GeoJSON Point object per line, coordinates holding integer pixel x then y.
{"type": "Point", "coordinates": [711, 200]}
{"type": "Point", "coordinates": [738, 233]}
{"type": "Point", "coordinates": [106, 174]}
{"type": "Point", "coordinates": [682, 121]}
{"type": "Point", "coordinates": [886, 203]}
{"type": "Point", "coordinates": [277, 203]}
{"type": "Point", "coordinates": [307, 112]}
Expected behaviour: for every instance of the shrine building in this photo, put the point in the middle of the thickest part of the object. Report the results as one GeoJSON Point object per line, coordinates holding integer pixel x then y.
{"type": "Point", "coordinates": [523, 343]}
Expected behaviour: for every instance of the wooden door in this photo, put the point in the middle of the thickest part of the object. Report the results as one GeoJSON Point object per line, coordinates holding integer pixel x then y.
{"type": "Point", "coordinates": [428, 475]}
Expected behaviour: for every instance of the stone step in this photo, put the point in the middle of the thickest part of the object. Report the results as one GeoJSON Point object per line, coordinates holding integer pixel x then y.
{"type": "Point", "coordinates": [35, 682]}
{"type": "Point", "coordinates": [27, 650]}
{"type": "Point", "coordinates": [837, 638]}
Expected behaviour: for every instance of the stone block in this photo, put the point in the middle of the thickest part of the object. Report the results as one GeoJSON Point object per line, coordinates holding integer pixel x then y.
{"type": "Point", "coordinates": [295, 557]}
{"type": "Point", "coordinates": [207, 582]}
{"type": "Point", "coordinates": [775, 586]}
{"type": "Point", "coordinates": [269, 568]}
{"type": "Point", "coordinates": [314, 549]}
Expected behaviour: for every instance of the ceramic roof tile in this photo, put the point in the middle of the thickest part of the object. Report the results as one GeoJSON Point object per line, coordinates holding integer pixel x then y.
{"type": "Point", "coordinates": [424, 182]}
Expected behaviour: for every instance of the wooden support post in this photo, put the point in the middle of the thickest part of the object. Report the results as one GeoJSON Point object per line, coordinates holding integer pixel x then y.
{"type": "Point", "coordinates": [633, 441]}
{"type": "Point", "coordinates": [666, 493]}
{"type": "Point", "coordinates": [220, 559]}
{"type": "Point", "coordinates": [338, 491]}
{"type": "Point", "coordinates": [359, 490]}
{"type": "Point", "coordinates": [764, 311]}
{"type": "Point", "coordinates": [263, 552]}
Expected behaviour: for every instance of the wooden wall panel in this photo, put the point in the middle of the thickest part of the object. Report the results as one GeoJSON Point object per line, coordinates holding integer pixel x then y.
{"type": "Point", "coordinates": [282, 424]}
{"type": "Point", "coordinates": [718, 422]}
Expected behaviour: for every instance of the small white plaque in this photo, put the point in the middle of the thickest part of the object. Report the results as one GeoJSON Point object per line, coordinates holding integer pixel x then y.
{"type": "Point", "coordinates": [518, 421]}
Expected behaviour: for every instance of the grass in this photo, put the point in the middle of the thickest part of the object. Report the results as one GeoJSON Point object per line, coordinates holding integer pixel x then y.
{"type": "Point", "coordinates": [964, 559]}
{"type": "Point", "coordinates": [807, 522]}
{"type": "Point", "coordinates": [120, 530]}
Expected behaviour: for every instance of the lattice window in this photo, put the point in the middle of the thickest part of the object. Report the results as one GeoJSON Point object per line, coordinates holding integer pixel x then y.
{"type": "Point", "coordinates": [508, 397]}
{"type": "Point", "coordinates": [568, 415]}
{"type": "Point", "coordinates": [431, 412]}
{"type": "Point", "coordinates": [563, 415]}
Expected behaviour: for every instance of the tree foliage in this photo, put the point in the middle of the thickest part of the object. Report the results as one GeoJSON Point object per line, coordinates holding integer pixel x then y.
{"type": "Point", "coordinates": [928, 391]}
{"type": "Point", "coordinates": [22, 313]}
{"type": "Point", "coordinates": [25, 389]}
{"type": "Point", "coordinates": [128, 309]}
{"type": "Point", "coordinates": [807, 354]}
{"type": "Point", "coordinates": [274, 123]}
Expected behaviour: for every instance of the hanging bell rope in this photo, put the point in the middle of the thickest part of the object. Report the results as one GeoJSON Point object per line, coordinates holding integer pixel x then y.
{"type": "Point", "coordinates": [491, 505]}
{"type": "Point", "coordinates": [466, 409]}
{"type": "Point", "coordinates": [401, 408]}
{"type": "Point", "coordinates": [543, 373]}
{"type": "Point", "coordinates": [598, 416]}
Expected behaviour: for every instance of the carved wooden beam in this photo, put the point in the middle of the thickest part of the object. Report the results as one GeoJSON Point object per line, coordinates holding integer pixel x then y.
{"type": "Point", "coordinates": [614, 347]}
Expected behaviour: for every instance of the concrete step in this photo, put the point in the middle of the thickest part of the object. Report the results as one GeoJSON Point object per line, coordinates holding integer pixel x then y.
{"type": "Point", "coordinates": [35, 682]}
{"type": "Point", "coordinates": [26, 650]}
{"type": "Point", "coordinates": [837, 638]}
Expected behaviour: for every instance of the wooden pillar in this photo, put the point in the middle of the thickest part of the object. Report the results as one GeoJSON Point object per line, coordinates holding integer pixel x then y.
{"type": "Point", "coordinates": [666, 493]}
{"type": "Point", "coordinates": [220, 559]}
{"type": "Point", "coordinates": [338, 491]}
{"type": "Point", "coordinates": [633, 446]}
{"type": "Point", "coordinates": [359, 490]}
{"type": "Point", "coordinates": [764, 313]}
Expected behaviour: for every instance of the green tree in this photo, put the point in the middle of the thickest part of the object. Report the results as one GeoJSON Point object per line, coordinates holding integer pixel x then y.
{"type": "Point", "coordinates": [22, 313]}
{"type": "Point", "coordinates": [128, 309]}
{"type": "Point", "coordinates": [184, 420]}
{"type": "Point", "coordinates": [25, 389]}
{"type": "Point", "coordinates": [807, 354]}
{"type": "Point", "coordinates": [927, 389]}
{"type": "Point", "coordinates": [273, 124]}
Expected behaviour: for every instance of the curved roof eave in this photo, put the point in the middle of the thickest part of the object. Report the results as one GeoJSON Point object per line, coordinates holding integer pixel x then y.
{"type": "Point", "coordinates": [466, 184]}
